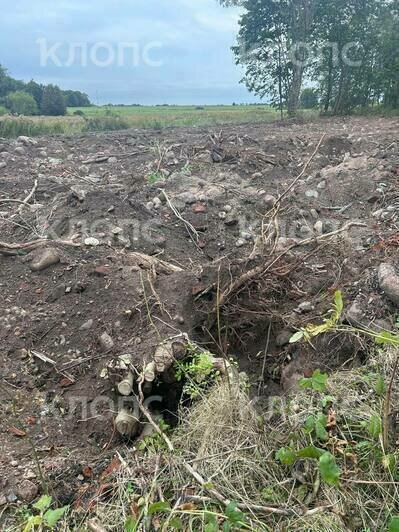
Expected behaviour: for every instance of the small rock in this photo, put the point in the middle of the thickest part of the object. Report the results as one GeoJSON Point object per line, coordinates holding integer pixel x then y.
{"type": "Point", "coordinates": [27, 490]}
{"type": "Point", "coordinates": [112, 160]}
{"type": "Point", "coordinates": [354, 314]}
{"type": "Point", "coordinates": [322, 185]}
{"type": "Point", "coordinates": [314, 214]}
{"type": "Point", "coordinates": [11, 498]}
{"type": "Point", "coordinates": [157, 203]}
{"type": "Point", "coordinates": [91, 241]}
{"type": "Point", "coordinates": [54, 161]}
{"type": "Point", "coordinates": [227, 208]}
{"type": "Point", "coordinates": [283, 337]}
{"type": "Point", "coordinates": [305, 230]}
{"type": "Point", "coordinates": [318, 227]}
{"type": "Point", "coordinates": [44, 258]}
{"type": "Point", "coordinates": [305, 306]}
{"type": "Point", "coordinates": [222, 215]}
{"type": "Point", "coordinates": [106, 341]}
{"type": "Point", "coordinates": [149, 205]}
{"type": "Point", "coordinates": [199, 208]}
{"type": "Point", "coordinates": [117, 231]}
{"type": "Point", "coordinates": [27, 141]}
{"type": "Point", "coordinates": [3, 165]}
{"type": "Point", "coordinates": [312, 194]}
{"type": "Point", "coordinates": [19, 150]}
{"type": "Point", "coordinates": [87, 325]}
{"type": "Point", "coordinates": [240, 242]}
{"type": "Point", "coordinates": [389, 282]}
{"type": "Point", "coordinates": [269, 200]}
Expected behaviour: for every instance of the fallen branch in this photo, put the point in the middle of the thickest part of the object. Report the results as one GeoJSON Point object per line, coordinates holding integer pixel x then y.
{"type": "Point", "coordinates": [14, 249]}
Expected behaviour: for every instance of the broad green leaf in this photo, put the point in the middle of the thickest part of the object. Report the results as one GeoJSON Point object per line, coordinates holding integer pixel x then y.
{"type": "Point", "coordinates": [320, 427]}
{"type": "Point", "coordinates": [394, 524]}
{"type": "Point", "coordinates": [329, 471]}
{"type": "Point", "coordinates": [176, 523]}
{"type": "Point", "coordinates": [51, 517]}
{"type": "Point", "coordinates": [374, 426]}
{"type": "Point", "coordinates": [160, 506]}
{"type": "Point", "coordinates": [131, 524]}
{"type": "Point", "coordinates": [32, 522]}
{"type": "Point", "coordinates": [309, 424]}
{"type": "Point", "coordinates": [286, 456]}
{"type": "Point", "coordinates": [233, 513]}
{"type": "Point", "coordinates": [296, 337]}
{"type": "Point", "coordinates": [211, 523]}
{"type": "Point", "coordinates": [319, 380]}
{"type": "Point", "coordinates": [310, 452]}
{"type": "Point", "coordinates": [43, 503]}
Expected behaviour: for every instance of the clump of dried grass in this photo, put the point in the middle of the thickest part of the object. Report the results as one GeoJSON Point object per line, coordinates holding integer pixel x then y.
{"type": "Point", "coordinates": [233, 444]}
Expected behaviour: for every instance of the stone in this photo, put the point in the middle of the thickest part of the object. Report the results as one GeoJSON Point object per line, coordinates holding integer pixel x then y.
{"type": "Point", "coordinates": [3, 165]}
{"type": "Point", "coordinates": [322, 185]}
{"type": "Point", "coordinates": [318, 227]}
{"type": "Point", "coordinates": [222, 215]}
{"type": "Point", "coordinates": [19, 150]}
{"type": "Point", "coordinates": [112, 160]}
{"type": "Point", "coordinates": [87, 325]}
{"type": "Point", "coordinates": [312, 194]}
{"type": "Point", "coordinates": [157, 203]}
{"type": "Point", "coordinates": [44, 258]}
{"type": "Point", "coordinates": [240, 242]}
{"type": "Point", "coordinates": [106, 341]}
{"type": "Point", "coordinates": [27, 490]}
{"type": "Point", "coordinates": [305, 306]}
{"type": "Point", "coordinates": [91, 241]}
{"type": "Point", "coordinates": [354, 314]}
{"type": "Point", "coordinates": [314, 214]}
{"type": "Point", "coordinates": [305, 231]}
{"type": "Point", "coordinates": [389, 282]}
{"type": "Point", "coordinates": [269, 200]}
{"type": "Point", "coordinates": [26, 141]}
{"type": "Point", "coordinates": [283, 337]}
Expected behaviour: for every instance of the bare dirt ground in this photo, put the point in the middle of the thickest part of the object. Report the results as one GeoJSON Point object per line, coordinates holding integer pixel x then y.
{"type": "Point", "coordinates": [71, 306]}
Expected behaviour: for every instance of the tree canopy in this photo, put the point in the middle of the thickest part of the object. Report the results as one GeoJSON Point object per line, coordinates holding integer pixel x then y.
{"type": "Point", "coordinates": [34, 98]}
{"type": "Point", "coordinates": [347, 49]}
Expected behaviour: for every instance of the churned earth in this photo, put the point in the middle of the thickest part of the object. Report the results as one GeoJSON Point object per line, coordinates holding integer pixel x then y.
{"type": "Point", "coordinates": [111, 243]}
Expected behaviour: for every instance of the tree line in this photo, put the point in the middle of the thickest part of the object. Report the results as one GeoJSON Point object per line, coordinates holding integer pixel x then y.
{"type": "Point", "coordinates": [34, 98]}
{"type": "Point", "coordinates": [344, 52]}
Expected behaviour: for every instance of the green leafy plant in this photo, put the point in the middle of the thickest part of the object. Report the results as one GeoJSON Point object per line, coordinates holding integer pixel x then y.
{"type": "Point", "coordinates": [154, 177]}
{"type": "Point", "coordinates": [329, 471]}
{"type": "Point", "coordinates": [198, 372]}
{"type": "Point", "coordinates": [155, 443]}
{"type": "Point", "coordinates": [317, 382]}
{"type": "Point", "coordinates": [46, 518]}
{"type": "Point", "coordinates": [332, 325]}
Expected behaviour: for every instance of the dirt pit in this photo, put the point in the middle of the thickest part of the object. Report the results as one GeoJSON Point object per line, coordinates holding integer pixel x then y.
{"type": "Point", "coordinates": [152, 235]}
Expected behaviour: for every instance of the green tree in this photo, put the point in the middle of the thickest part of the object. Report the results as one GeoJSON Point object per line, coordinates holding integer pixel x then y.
{"type": "Point", "coordinates": [273, 44]}
{"type": "Point", "coordinates": [53, 101]}
{"type": "Point", "coordinates": [21, 103]}
{"type": "Point", "coordinates": [36, 90]}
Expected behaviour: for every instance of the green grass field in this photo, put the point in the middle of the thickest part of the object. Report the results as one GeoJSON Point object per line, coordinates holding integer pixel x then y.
{"type": "Point", "coordinates": [163, 116]}
{"type": "Point", "coordinates": [110, 118]}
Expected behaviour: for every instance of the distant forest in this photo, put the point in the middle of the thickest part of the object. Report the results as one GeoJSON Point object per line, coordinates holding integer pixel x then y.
{"type": "Point", "coordinates": [18, 97]}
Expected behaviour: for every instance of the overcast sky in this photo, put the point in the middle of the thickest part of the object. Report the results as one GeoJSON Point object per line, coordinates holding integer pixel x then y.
{"type": "Point", "coordinates": [182, 49]}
